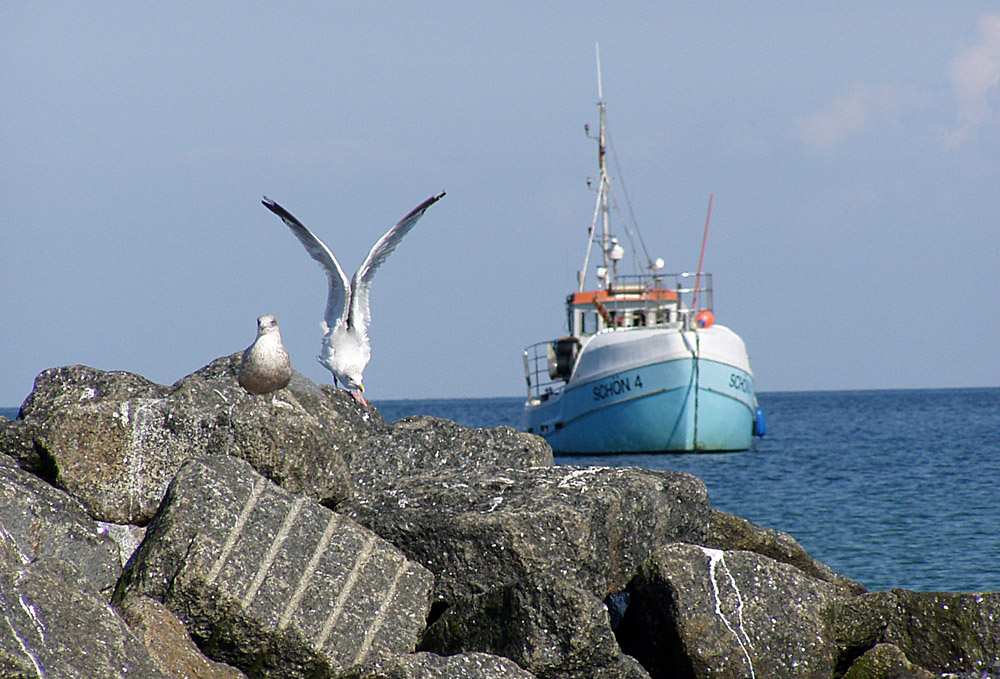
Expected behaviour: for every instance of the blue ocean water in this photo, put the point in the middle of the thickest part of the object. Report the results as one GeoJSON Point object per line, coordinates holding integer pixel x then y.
{"type": "Point", "coordinates": [890, 488]}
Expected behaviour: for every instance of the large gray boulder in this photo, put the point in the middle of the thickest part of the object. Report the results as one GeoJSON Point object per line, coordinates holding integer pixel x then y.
{"type": "Point", "coordinates": [700, 612]}
{"type": "Point", "coordinates": [431, 666]}
{"type": "Point", "coordinates": [272, 583]}
{"type": "Point", "coordinates": [420, 444]}
{"type": "Point", "coordinates": [939, 631]}
{"type": "Point", "coordinates": [57, 625]}
{"type": "Point", "coordinates": [728, 532]}
{"type": "Point", "coordinates": [113, 440]}
{"type": "Point", "coordinates": [590, 525]}
{"type": "Point", "coordinates": [550, 627]}
{"type": "Point", "coordinates": [38, 521]}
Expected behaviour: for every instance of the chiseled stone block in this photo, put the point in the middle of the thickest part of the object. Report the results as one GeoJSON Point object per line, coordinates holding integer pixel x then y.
{"type": "Point", "coordinates": [274, 583]}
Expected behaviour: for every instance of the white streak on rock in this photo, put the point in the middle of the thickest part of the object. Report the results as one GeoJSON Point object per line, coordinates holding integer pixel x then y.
{"type": "Point", "coordinates": [272, 552]}
{"type": "Point", "coordinates": [234, 534]}
{"type": "Point", "coordinates": [575, 478]}
{"type": "Point", "coordinates": [345, 591]}
{"type": "Point", "coordinates": [30, 610]}
{"type": "Point", "coordinates": [35, 620]}
{"type": "Point", "coordinates": [7, 538]}
{"type": "Point", "coordinates": [383, 608]}
{"type": "Point", "coordinates": [715, 557]}
{"type": "Point", "coordinates": [310, 571]}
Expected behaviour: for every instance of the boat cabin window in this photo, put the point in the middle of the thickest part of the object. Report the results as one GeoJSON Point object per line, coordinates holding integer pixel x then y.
{"type": "Point", "coordinates": [587, 320]}
{"type": "Point", "coordinates": [583, 322]}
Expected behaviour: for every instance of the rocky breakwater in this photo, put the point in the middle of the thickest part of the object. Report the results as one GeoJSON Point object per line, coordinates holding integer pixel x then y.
{"type": "Point", "coordinates": [199, 531]}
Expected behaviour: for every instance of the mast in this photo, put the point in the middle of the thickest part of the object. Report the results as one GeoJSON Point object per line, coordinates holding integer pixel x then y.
{"type": "Point", "coordinates": [609, 247]}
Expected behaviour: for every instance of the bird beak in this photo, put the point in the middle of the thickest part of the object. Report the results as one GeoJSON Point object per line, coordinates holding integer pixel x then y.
{"type": "Point", "coordinates": [362, 388]}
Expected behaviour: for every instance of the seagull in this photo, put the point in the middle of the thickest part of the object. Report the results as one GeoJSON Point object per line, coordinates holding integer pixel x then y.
{"type": "Point", "coordinates": [265, 366]}
{"type": "Point", "coordinates": [345, 349]}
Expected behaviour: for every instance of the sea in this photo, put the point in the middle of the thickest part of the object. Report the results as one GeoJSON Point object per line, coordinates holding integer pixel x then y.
{"type": "Point", "coordinates": [892, 488]}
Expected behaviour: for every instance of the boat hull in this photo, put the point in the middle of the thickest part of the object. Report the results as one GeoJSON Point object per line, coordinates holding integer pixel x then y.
{"type": "Point", "coordinates": [662, 391]}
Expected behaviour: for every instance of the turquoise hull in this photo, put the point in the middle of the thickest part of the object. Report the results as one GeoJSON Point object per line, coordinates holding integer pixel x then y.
{"type": "Point", "coordinates": [675, 405]}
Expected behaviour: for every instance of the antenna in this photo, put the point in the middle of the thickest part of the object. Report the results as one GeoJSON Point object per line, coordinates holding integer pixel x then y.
{"type": "Point", "coordinates": [600, 89]}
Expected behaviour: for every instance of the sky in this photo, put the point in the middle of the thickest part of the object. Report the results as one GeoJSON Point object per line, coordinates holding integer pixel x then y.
{"type": "Point", "coordinates": [852, 152]}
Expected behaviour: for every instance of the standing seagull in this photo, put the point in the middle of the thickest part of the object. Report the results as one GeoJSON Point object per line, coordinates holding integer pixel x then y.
{"type": "Point", "coordinates": [346, 350]}
{"type": "Point", "coordinates": [265, 366]}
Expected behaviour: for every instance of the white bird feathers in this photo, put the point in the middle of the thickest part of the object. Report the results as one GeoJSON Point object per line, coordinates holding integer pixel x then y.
{"type": "Point", "coordinates": [345, 350]}
{"type": "Point", "coordinates": [265, 366]}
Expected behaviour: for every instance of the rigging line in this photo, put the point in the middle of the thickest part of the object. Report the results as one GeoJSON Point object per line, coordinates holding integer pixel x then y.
{"type": "Point", "coordinates": [631, 242]}
{"type": "Point", "coordinates": [590, 239]}
{"type": "Point", "coordinates": [628, 200]}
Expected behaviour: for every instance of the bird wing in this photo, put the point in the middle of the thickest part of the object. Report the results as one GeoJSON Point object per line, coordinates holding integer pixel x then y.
{"type": "Point", "coordinates": [360, 316]}
{"type": "Point", "coordinates": [336, 300]}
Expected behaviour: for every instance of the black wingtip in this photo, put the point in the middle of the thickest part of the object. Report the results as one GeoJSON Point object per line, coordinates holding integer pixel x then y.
{"type": "Point", "coordinates": [273, 207]}
{"type": "Point", "coordinates": [430, 201]}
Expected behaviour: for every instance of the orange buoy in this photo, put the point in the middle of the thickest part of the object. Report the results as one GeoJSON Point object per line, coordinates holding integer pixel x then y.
{"type": "Point", "coordinates": [704, 319]}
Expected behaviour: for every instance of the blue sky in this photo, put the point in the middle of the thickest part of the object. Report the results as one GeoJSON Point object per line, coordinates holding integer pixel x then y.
{"type": "Point", "coordinates": [853, 151]}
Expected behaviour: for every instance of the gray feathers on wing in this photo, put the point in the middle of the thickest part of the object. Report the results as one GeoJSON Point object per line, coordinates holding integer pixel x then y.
{"type": "Point", "coordinates": [336, 300]}
{"type": "Point", "coordinates": [361, 285]}
{"type": "Point", "coordinates": [339, 305]}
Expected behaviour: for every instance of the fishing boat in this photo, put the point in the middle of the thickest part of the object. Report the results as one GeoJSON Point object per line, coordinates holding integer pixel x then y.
{"type": "Point", "coordinates": [644, 367]}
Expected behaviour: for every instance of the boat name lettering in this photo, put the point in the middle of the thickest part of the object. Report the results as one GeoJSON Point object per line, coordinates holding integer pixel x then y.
{"type": "Point", "coordinates": [616, 387]}
{"type": "Point", "coordinates": [739, 382]}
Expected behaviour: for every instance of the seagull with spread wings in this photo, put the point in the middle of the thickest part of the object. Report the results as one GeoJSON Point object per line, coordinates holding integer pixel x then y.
{"type": "Point", "coordinates": [346, 350]}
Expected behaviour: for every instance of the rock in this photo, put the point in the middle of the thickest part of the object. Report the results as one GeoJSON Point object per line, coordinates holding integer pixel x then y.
{"type": "Point", "coordinates": [886, 661]}
{"type": "Point", "coordinates": [63, 388]}
{"type": "Point", "coordinates": [941, 632]}
{"type": "Point", "coordinates": [549, 627]}
{"type": "Point", "coordinates": [17, 440]}
{"type": "Point", "coordinates": [859, 624]}
{"type": "Point", "coordinates": [592, 525]}
{"type": "Point", "coordinates": [57, 626]}
{"type": "Point", "coordinates": [338, 422]}
{"type": "Point", "coordinates": [947, 632]}
{"type": "Point", "coordinates": [518, 554]}
{"type": "Point", "coordinates": [113, 440]}
{"type": "Point", "coordinates": [128, 538]}
{"type": "Point", "coordinates": [168, 642]}
{"type": "Point", "coordinates": [38, 521]}
{"type": "Point", "coordinates": [698, 612]}
{"type": "Point", "coordinates": [430, 666]}
{"type": "Point", "coordinates": [421, 444]}
{"type": "Point", "coordinates": [271, 583]}
{"type": "Point", "coordinates": [728, 532]}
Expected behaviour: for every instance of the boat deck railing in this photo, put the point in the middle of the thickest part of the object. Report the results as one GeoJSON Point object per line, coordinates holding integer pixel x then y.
{"type": "Point", "coordinates": [633, 303]}
{"type": "Point", "coordinates": [694, 291]}
{"type": "Point", "coordinates": [541, 386]}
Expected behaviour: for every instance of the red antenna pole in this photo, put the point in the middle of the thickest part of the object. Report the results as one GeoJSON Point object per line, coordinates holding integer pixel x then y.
{"type": "Point", "coordinates": [704, 238]}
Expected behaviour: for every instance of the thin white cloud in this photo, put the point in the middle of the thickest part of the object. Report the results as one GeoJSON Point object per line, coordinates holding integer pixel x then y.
{"type": "Point", "coordinates": [851, 114]}
{"type": "Point", "coordinates": [975, 78]}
